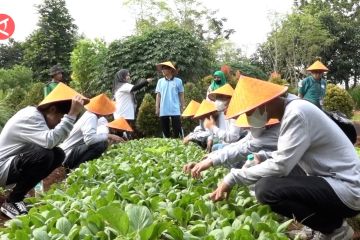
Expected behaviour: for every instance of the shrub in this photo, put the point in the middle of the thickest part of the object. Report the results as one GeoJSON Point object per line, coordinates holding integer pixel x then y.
{"type": "Point", "coordinates": [192, 92]}
{"type": "Point", "coordinates": [337, 99]}
{"type": "Point", "coordinates": [355, 94]}
{"type": "Point", "coordinates": [5, 113]}
{"type": "Point", "coordinates": [147, 122]}
{"type": "Point", "coordinates": [33, 96]}
{"type": "Point", "coordinates": [18, 76]}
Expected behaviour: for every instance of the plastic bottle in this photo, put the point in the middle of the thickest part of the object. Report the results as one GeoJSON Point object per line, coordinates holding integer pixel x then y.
{"type": "Point", "coordinates": [39, 189]}
{"type": "Point", "coordinates": [249, 161]}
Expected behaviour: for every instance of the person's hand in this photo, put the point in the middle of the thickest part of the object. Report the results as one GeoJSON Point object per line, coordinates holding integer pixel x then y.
{"type": "Point", "coordinates": [187, 167]}
{"type": "Point", "coordinates": [209, 145]}
{"type": "Point", "coordinates": [77, 105]}
{"type": "Point", "coordinates": [186, 140]}
{"type": "Point", "coordinates": [201, 166]}
{"type": "Point", "coordinates": [112, 138]}
{"type": "Point", "coordinates": [209, 123]}
{"type": "Point", "coordinates": [222, 192]}
{"type": "Point", "coordinates": [149, 80]}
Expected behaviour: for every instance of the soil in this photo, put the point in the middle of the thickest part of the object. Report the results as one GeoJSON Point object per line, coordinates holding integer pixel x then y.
{"type": "Point", "coordinates": [56, 176]}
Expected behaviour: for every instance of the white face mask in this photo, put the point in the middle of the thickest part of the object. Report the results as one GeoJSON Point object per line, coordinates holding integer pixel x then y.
{"type": "Point", "coordinates": [220, 105]}
{"type": "Point", "coordinates": [257, 120]}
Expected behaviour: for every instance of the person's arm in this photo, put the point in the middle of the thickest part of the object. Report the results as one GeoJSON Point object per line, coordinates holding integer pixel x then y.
{"type": "Point", "coordinates": [89, 130]}
{"type": "Point", "coordinates": [301, 88]}
{"type": "Point", "coordinates": [229, 135]}
{"type": "Point", "coordinates": [182, 101]}
{"type": "Point", "coordinates": [141, 84]}
{"type": "Point", "coordinates": [157, 105]}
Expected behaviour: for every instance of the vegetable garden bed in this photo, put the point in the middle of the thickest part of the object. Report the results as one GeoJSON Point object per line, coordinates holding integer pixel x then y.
{"type": "Point", "coordinates": [137, 190]}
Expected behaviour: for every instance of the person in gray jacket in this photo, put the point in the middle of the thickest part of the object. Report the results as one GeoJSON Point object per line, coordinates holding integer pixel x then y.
{"type": "Point", "coordinates": [28, 144]}
{"type": "Point", "coordinates": [309, 138]}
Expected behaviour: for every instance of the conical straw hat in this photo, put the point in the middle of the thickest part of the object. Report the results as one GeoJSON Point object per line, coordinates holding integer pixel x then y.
{"type": "Point", "coordinates": [191, 109]}
{"type": "Point", "coordinates": [205, 108]}
{"type": "Point", "coordinates": [317, 66]}
{"type": "Point", "coordinates": [242, 121]}
{"type": "Point", "coordinates": [251, 93]}
{"type": "Point", "coordinates": [101, 105]}
{"type": "Point", "coordinates": [225, 90]}
{"type": "Point", "coordinates": [168, 63]}
{"type": "Point", "coordinates": [61, 92]}
{"type": "Point", "coordinates": [120, 124]}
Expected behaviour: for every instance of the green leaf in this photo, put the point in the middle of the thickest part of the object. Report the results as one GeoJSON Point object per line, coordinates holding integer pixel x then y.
{"type": "Point", "coordinates": [282, 227]}
{"type": "Point", "coordinates": [21, 234]}
{"type": "Point", "coordinates": [218, 234]}
{"type": "Point", "coordinates": [198, 230]}
{"type": "Point", "coordinates": [40, 234]}
{"type": "Point", "coordinates": [116, 218]}
{"type": "Point", "coordinates": [63, 225]}
{"type": "Point", "coordinates": [139, 217]}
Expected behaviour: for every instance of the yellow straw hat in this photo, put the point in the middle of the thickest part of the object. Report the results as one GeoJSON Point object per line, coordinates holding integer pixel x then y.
{"type": "Point", "coordinates": [225, 90]}
{"type": "Point", "coordinates": [168, 63]}
{"type": "Point", "coordinates": [205, 108]}
{"type": "Point", "coordinates": [101, 105]}
{"type": "Point", "coordinates": [120, 124]}
{"type": "Point", "coordinates": [60, 93]}
{"type": "Point", "coordinates": [242, 121]}
{"type": "Point", "coordinates": [191, 109]}
{"type": "Point", "coordinates": [317, 66]}
{"type": "Point", "coordinates": [251, 93]}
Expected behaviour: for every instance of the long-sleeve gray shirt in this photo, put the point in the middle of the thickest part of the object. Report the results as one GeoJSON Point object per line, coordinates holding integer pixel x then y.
{"type": "Point", "coordinates": [308, 137]}
{"type": "Point", "coordinates": [234, 155]}
{"type": "Point", "coordinates": [26, 128]}
{"type": "Point", "coordinates": [227, 132]}
{"type": "Point", "coordinates": [84, 132]}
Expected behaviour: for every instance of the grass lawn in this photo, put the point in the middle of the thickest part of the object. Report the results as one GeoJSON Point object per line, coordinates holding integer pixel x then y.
{"type": "Point", "coordinates": [356, 116]}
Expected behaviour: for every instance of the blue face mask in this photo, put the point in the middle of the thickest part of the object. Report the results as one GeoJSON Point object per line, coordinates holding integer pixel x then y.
{"type": "Point", "coordinates": [256, 119]}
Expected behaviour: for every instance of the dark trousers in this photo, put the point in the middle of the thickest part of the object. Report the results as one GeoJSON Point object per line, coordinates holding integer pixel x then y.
{"type": "Point", "coordinates": [30, 167]}
{"type": "Point", "coordinates": [309, 199]}
{"type": "Point", "coordinates": [84, 153]}
{"type": "Point", "coordinates": [176, 126]}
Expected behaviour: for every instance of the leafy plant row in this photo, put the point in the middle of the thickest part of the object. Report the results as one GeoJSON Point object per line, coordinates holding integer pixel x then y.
{"type": "Point", "coordinates": [137, 190]}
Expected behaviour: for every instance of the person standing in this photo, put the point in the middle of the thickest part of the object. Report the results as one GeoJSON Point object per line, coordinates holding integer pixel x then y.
{"type": "Point", "coordinates": [218, 81]}
{"type": "Point", "coordinates": [169, 100]}
{"type": "Point", "coordinates": [313, 87]}
{"type": "Point", "coordinates": [56, 73]}
{"type": "Point", "coordinates": [124, 95]}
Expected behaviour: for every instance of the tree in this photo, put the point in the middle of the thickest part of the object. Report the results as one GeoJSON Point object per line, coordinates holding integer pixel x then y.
{"type": "Point", "coordinates": [11, 54]}
{"type": "Point", "coordinates": [87, 62]}
{"type": "Point", "coordinates": [54, 40]}
{"type": "Point", "coordinates": [141, 53]}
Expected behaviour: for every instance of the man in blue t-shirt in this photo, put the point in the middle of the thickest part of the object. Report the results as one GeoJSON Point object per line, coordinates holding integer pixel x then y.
{"type": "Point", "coordinates": [169, 100]}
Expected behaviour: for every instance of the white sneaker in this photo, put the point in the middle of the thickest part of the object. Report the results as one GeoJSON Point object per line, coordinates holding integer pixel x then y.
{"type": "Point", "coordinates": [345, 232]}
{"type": "Point", "coordinates": [13, 209]}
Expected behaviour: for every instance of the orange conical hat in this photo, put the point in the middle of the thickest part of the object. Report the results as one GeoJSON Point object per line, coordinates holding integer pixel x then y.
{"type": "Point", "coordinates": [191, 109]}
{"type": "Point", "coordinates": [251, 93]}
{"type": "Point", "coordinates": [243, 122]}
{"type": "Point", "coordinates": [101, 105]}
{"type": "Point", "coordinates": [226, 90]}
{"type": "Point", "coordinates": [205, 108]}
{"type": "Point", "coordinates": [317, 66]}
{"type": "Point", "coordinates": [120, 124]}
{"type": "Point", "coordinates": [61, 92]}
{"type": "Point", "coordinates": [168, 63]}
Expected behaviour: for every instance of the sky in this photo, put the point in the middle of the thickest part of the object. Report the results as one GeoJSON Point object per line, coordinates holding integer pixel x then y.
{"type": "Point", "coordinates": [110, 20]}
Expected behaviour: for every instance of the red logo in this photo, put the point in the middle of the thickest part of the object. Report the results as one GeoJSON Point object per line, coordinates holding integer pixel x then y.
{"type": "Point", "coordinates": [7, 26]}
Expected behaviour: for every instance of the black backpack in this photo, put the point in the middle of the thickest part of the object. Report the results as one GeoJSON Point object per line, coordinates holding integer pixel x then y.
{"type": "Point", "coordinates": [344, 123]}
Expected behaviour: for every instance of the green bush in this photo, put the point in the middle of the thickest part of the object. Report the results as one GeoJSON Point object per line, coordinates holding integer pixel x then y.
{"type": "Point", "coordinates": [337, 99]}
{"type": "Point", "coordinates": [14, 97]}
{"type": "Point", "coordinates": [18, 76]}
{"type": "Point", "coordinates": [147, 123]}
{"type": "Point", "coordinates": [34, 96]}
{"type": "Point", "coordinates": [192, 92]}
{"type": "Point", "coordinates": [5, 113]}
{"type": "Point", "coordinates": [355, 94]}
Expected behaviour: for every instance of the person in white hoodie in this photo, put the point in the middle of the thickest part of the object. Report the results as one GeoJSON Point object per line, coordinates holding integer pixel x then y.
{"type": "Point", "coordinates": [29, 142]}
{"type": "Point", "coordinates": [224, 131]}
{"type": "Point", "coordinates": [309, 138]}
{"type": "Point", "coordinates": [85, 143]}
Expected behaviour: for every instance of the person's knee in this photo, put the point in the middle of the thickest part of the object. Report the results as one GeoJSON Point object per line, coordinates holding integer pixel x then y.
{"type": "Point", "coordinates": [263, 189]}
{"type": "Point", "coordinates": [99, 147]}
{"type": "Point", "coordinates": [59, 156]}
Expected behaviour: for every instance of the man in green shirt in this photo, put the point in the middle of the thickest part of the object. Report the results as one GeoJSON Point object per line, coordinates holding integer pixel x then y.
{"type": "Point", "coordinates": [313, 87]}
{"type": "Point", "coordinates": [56, 73]}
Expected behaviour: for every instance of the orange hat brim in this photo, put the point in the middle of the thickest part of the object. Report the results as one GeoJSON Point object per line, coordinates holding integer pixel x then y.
{"type": "Point", "coordinates": [205, 107]}
{"type": "Point", "coordinates": [61, 92]}
{"type": "Point", "coordinates": [317, 66]}
{"type": "Point", "coordinates": [191, 109]}
{"type": "Point", "coordinates": [242, 121]}
{"type": "Point", "coordinates": [225, 90]}
{"type": "Point", "coordinates": [120, 124]}
{"type": "Point", "coordinates": [101, 105]}
{"type": "Point", "coordinates": [251, 93]}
